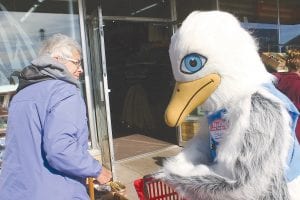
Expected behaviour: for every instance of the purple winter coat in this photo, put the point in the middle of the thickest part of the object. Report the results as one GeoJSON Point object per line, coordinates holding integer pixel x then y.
{"type": "Point", "coordinates": [46, 155]}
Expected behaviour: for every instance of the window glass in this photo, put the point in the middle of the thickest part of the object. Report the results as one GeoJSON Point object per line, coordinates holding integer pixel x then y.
{"type": "Point", "coordinates": [289, 24]}
{"type": "Point", "coordinates": [259, 17]}
{"type": "Point", "coordinates": [25, 24]}
{"type": "Point", "coordinates": [276, 24]}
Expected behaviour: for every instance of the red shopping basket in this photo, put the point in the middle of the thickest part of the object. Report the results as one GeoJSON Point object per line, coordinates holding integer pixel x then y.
{"type": "Point", "coordinates": [149, 188]}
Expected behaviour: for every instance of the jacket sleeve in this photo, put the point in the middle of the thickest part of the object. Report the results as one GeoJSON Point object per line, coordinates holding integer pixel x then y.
{"type": "Point", "coordinates": [66, 135]}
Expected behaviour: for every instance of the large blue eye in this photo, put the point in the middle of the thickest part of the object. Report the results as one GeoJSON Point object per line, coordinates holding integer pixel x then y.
{"type": "Point", "coordinates": [192, 63]}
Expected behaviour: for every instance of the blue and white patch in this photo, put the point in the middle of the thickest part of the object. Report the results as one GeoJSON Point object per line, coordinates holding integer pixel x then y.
{"type": "Point", "coordinates": [218, 126]}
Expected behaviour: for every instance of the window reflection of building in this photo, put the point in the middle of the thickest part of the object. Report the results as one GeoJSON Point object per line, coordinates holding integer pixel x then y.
{"type": "Point", "coordinates": [273, 23]}
{"type": "Point", "coordinates": [17, 46]}
{"type": "Point", "coordinates": [20, 33]}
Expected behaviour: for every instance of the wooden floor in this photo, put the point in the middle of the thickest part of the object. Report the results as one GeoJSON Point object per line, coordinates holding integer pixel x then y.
{"type": "Point", "coordinates": [136, 144]}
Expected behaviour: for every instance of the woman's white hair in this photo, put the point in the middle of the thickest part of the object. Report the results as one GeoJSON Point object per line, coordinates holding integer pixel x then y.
{"type": "Point", "coordinates": [59, 45]}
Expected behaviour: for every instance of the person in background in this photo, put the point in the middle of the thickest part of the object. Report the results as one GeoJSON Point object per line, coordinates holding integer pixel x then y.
{"type": "Point", "coordinates": [46, 155]}
{"type": "Point", "coordinates": [289, 82]}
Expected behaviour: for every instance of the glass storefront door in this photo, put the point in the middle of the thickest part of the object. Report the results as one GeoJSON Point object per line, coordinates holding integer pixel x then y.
{"type": "Point", "coordinates": [99, 88]}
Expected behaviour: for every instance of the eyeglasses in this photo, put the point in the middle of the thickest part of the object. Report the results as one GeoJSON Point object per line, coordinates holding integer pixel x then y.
{"type": "Point", "coordinates": [78, 63]}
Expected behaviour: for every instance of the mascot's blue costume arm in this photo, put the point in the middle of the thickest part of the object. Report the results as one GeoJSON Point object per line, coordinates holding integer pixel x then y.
{"type": "Point", "coordinates": [248, 152]}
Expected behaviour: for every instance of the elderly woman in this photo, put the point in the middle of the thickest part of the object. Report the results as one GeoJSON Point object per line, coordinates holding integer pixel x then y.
{"type": "Point", "coordinates": [46, 153]}
{"type": "Point", "coordinates": [289, 82]}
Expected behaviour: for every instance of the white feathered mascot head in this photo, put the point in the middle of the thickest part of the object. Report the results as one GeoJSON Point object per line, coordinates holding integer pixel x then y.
{"type": "Point", "coordinates": [244, 153]}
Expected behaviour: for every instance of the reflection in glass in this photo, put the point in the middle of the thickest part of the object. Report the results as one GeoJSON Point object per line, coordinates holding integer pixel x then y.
{"type": "Point", "coordinates": [24, 25]}
{"type": "Point", "coordinates": [276, 24]}
{"type": "Point", "coordinates": [289, 24]}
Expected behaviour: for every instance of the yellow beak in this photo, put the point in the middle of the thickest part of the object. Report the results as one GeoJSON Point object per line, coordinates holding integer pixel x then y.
{"type": "Point", "coordinates": [187, 96]}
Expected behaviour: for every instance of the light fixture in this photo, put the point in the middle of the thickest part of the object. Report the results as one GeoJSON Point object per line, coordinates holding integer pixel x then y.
{"type": "Point", "coordinates": [32, 9]}
{"type": "Point", "coordinates": [146, 8]}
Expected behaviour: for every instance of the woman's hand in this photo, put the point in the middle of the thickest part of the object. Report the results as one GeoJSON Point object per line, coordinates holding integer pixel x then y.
{"type": "Point", "coordinates": [104, 176]}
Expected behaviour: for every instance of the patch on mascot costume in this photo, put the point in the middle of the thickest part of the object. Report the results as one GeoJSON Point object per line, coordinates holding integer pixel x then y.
{"type": "Point", "coordinates": [218, 126]}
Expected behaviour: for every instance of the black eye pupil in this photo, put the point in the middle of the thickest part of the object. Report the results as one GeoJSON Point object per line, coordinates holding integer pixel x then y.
{"type": "Point", "coordinates": [193, 63]}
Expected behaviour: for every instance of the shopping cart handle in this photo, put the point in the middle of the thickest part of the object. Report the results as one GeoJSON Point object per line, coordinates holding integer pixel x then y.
{"type": "Point", "coordinates": [152, 188]}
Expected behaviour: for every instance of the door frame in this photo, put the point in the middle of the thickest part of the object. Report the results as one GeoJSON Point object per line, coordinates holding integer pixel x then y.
{"type": "Point", "coordinates": [106, 91]}
{"type": "Point", "coordinates": [91, 112]}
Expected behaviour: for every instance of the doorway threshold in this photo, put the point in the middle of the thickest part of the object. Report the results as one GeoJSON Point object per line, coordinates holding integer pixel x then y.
{"type": "Point", "coordinates": [135, 145]}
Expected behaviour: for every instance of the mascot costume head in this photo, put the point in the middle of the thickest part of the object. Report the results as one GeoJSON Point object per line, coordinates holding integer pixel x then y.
{"type": "Point", "coordinates": [248, 151]}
